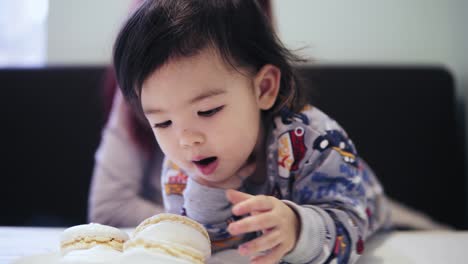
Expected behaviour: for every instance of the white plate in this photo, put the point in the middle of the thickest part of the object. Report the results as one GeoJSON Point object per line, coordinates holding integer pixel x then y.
{"type": "Point", "coordinates": [39, 259]}
{"type": "Point", "coordinates": [224, 257]}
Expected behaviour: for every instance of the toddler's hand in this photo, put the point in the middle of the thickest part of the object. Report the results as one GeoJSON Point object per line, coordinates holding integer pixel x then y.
{"type": "Point", "coordinates": [275, 219]}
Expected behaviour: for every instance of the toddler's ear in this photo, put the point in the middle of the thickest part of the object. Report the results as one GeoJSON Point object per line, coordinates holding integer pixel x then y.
{"type": "Point", "coordinates": [266, 85]}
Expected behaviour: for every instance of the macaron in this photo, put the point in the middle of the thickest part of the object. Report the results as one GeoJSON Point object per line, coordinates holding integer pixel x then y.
{"type": "Point", "coordinates": [170, 235]}
{"type": "Point", "coordinates": [88, 236]}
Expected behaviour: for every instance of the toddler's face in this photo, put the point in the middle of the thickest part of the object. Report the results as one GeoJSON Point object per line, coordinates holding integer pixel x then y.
{"type": "Point", "coordinates": [204, 114]}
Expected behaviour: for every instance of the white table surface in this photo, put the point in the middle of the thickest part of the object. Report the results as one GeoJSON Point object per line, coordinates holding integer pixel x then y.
{"type": "Point", "coordinates": [394, 247]}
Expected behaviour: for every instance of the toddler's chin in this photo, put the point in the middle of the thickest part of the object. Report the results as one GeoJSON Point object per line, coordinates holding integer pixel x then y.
{"type": "Point", "coordinates": [217, 181]}
{"type": "Point", "coordinates": [247, 170]}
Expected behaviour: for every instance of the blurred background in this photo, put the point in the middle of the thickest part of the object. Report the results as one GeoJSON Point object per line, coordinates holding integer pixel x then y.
{"type": "Point", "coordinates": [66, 32]}
{"type": "Point", "coordinates": [403, 33]}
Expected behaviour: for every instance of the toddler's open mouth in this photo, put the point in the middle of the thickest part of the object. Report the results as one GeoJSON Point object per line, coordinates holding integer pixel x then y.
{"type": "Point", "coordinates": [207, 165]}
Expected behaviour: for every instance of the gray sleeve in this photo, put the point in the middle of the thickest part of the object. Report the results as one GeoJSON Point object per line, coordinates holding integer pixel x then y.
{"type": "Point", "coordinates": [345, 202]}
{"type": "Point", "coordinates": [336, 196]}
{"type": "Point", "coordinates": [315, 224]}
{"type": "Point", "coordinates": [114, 197]}
{"type": "Point", "coordinates": [336, 212]}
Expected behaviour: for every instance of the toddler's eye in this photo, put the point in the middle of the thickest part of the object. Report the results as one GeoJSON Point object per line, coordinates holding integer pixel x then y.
{"type": "Point", "coordinates": [163, 124]}
{"type": "Point", "coordinates": [210, 112]}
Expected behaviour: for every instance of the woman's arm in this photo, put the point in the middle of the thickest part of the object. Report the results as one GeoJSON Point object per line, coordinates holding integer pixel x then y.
{"type": "Point", "coordinates": [118, 176]}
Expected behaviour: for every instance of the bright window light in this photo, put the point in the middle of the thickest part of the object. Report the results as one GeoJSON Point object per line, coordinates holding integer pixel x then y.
{"type": "Point", "coordinates": [23, 32]}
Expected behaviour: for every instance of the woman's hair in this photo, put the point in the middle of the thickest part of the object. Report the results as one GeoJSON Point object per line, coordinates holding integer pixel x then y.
{"type": "Point", "coordinates": [140, 132]}
{"type": "Point", "coordinates": [160, 31]}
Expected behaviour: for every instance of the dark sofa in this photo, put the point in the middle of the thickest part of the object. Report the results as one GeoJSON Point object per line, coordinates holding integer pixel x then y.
{"type": "Point", "coordinates": [402, 120]}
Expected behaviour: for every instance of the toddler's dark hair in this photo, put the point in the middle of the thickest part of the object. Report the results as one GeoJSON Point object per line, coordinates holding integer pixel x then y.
{"type": "Point", "coordinates": [161, 30]}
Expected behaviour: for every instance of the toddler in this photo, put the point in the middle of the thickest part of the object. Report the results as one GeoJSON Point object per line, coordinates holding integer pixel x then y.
{"type": "Point", "coordinates": [245, 155]}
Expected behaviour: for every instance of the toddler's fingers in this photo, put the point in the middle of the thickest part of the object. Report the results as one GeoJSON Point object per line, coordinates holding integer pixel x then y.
{"type": "Point", "coordinates": [249, 224]}
{"type": "Point", "coordinates": [273, 256]}
{"type": "Point", "coordinates": [257, 203]}
{"type": "Point", "coordinates": [265, 242]}
{"type": "Point", "coordinates": [236, 197]}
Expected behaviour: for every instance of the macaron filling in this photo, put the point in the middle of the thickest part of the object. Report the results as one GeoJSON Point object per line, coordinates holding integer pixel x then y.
{"type": "Point", "coordinates": [87, 242]}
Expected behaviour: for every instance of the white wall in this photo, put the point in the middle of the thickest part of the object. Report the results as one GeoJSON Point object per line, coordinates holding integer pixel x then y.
{"type": "Point", "coordinates": [23, 44]}
{"type": "Point", "coordinates": [370, 31]}
{"type": "Point", "coordinates": [82, 32]}
{"type": "Point", "coordinates": [373, 31]}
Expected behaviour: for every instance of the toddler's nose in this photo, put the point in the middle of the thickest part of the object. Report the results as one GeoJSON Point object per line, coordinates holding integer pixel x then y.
{"type": "Point", "coordinates": [191, 138]}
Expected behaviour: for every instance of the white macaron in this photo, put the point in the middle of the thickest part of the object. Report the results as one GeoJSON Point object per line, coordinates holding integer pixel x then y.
{"type": "Point", "coordinates": [87, 236]}
{"type": "Point", "coordinates": [171, 235]}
